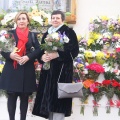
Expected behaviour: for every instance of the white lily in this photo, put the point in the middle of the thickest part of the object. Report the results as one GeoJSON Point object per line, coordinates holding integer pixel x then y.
{"type": "Point", "coordinates": [38, 19]}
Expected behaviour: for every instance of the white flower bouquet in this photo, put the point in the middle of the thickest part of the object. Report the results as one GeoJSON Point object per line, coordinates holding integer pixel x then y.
{"type": "Point", "coordinates": [7, 43]}
{"type": "Point", "coordinates": [54, 42]}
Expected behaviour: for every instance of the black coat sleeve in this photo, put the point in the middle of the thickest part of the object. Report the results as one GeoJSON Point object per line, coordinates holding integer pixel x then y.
{"type": "Point", "coordinates": [36, 52]}
{"type": "Point", "coordinates": [6, 55]}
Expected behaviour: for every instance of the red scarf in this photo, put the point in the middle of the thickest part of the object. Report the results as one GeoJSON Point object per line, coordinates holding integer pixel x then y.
{"type": "Point", "coordinates": [22, 40]}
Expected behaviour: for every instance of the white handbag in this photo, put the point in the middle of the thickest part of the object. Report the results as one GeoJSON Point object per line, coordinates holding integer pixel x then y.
{"type": "Point", "coordinates": [69, 90]}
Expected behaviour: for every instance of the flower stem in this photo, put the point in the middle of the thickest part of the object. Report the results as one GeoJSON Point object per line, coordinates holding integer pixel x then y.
{"type": "Point", "coordinates": [108, 109]}
{"type": "Point", "coordinates": [82, 109]}
{"type": "Point", "coordinates": [95, 111]}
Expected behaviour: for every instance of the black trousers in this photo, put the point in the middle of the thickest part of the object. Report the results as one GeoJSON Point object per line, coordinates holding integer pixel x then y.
{"type": "Point", "coordinates": [11, 104]}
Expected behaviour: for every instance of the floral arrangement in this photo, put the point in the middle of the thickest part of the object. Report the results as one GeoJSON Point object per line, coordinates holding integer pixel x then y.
{"type": "Point", "coordinates": [97, 92]}
{"type": "Point", "coordinates": [7, 43]}
{"type": "Point", "coordinates": [100, 51]}
{"type": "Point", "coordinates": [79, 69]}
{"type": "Point", "coordinates": [94, 69]}
{"type": "Point", "coordinates": [100, 57]}
{"type": "Point", "coordinates": [87, 83]}
{"type": "Point", "coordinates": [109, 88]}
{"type": "Point", "coordinates": [38, 18]}
{"type": "Point", "coordinates": [117, 55]}
{"type": "Point", "coordinates": [98, 24]}
{"type": "Point", "coordinates": [114, 25]}
{"type": "Point", "coordinates": [94, 41]}
{"type": "Point", "coordinates": [54, 42]}
{"type": "Point", "coordinates": [110, 58]}
{"type": "Point", "coordinates": [89, 56]}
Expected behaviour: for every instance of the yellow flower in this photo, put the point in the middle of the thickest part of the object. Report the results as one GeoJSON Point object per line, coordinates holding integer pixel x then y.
{"type": "Point", "coordinates": [116, 35]}
{"type": "Point", "coordinates": [111, 27]}
{"type": "Point", "coordinates": [89, 53]}
{"type": "Point", "coordinates": [46, 22]}
{"type": "Point", "coordinates": [107, 55]}
{"type": "Point", "coordinates": [39, 13]}
{"type": "Point", "coordinates": [118, 20]}
{"type": "Point", "coordinates": [94, 35]}
{"type": "Point", "coordinates": [1, 67]}
{"type": "Point", "coordinates": [104, 18]}
{"type": "Point", "coordinates": [30, 14]}
{"type": "Point", "coordinates": [79, 37]}
{"type": "Point", "coordinates": [100, 57]}
{"type": "Point", "coordinates": [35, 13]}
{"type": "Point", "coordinates": [42, 13]}
{"type": "Point", "coordinates": [90, 41]}
{"type": "Point", "coordinates": [80, 65]}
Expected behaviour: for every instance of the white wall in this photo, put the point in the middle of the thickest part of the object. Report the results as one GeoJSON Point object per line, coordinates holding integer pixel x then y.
{"type": "Point", "coordinates": [87, 9]}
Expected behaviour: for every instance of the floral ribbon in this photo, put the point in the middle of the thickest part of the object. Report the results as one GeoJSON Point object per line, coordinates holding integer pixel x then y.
{"type": "Point", "coordinates": [95, 103]}
{"type": "Point", "coordinates": [111, 103]}
{"type": "Point", "coordinates": [117, 103]}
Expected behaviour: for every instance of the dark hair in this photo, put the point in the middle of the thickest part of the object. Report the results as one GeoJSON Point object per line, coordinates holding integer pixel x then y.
{"type": "Point", "coordinates": [59, 12]}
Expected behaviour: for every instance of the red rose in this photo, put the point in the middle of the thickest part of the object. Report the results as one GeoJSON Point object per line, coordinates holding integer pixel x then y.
{"type": "Point", "coordinates": [7, 36]}
{"type": "Point", "coordinates": [106, 82]}
{"type": "Point", "coordinates": [96, 90]}
{"type": "Point", "coordinates": [114, 83]}
{"type": "Point", "coordinates": [117, 49]}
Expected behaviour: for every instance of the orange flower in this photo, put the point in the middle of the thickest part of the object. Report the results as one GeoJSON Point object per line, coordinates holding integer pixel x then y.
{"type": "Point", "coordinates": [87, 83]}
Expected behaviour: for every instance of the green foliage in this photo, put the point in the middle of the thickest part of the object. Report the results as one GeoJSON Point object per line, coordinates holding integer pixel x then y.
{"type": "Point", "coordinates": [50, 47]}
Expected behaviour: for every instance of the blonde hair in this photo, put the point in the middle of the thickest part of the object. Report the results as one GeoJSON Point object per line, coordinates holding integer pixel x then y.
{"type": "Point", "coordinates": [18, 14]}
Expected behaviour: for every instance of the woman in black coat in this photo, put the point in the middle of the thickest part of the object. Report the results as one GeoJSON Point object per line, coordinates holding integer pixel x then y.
{"type": "Point", "coordinates": [47, 104]}
{"type": "Point", "coordinates": [18, 76]}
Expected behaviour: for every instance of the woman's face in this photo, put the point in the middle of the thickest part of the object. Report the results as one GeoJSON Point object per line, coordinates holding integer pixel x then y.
{"type": "Point", "coordinates": [22, 21]}
{"type": "Point", "coordinates": [56, 20]}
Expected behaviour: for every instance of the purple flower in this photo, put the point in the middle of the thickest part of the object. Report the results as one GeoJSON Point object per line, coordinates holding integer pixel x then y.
{"type": "Point", "coordinates": [61, 37]}
{"type": "Point", "coordinates": [79, 60]}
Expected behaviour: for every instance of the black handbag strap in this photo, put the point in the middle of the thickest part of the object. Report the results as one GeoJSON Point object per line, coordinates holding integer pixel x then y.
{"type": "Point", "coordinates": [62, 68]}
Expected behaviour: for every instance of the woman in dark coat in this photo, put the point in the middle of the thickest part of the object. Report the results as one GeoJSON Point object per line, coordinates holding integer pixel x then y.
{"type": "Point", "coordinates": [18, 76]}
{"type": "Point", "coordinates": [47, 104]}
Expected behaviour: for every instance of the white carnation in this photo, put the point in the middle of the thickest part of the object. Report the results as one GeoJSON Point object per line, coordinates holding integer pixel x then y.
{"type": "Point", "coordinates": [8, 17]}
{"type": "Point", "coordinates": [85, 71]}
{"type": "Point", "coordinates": [55, 36]}
{"type": "Point", "coordinates": [3, 39]}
